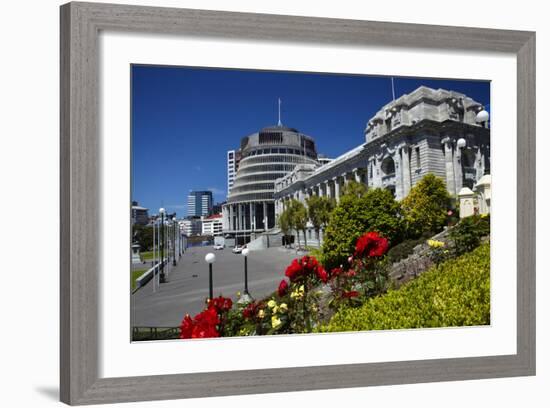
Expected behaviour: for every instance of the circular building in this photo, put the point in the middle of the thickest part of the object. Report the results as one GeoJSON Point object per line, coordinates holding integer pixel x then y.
{"type": "Point", "coordinates": [267, 155]}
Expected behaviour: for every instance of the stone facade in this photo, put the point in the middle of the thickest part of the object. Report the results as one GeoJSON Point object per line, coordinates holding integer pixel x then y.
{"type": "Point", "coordinates": [426, 131]}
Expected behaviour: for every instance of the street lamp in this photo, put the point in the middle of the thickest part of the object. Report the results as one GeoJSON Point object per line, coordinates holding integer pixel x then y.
{"type": "Point", "coordinates": [482, 117]}
{"type": "Point", "coordinates": [210, 258]}
{"type": "Point", "coordinates": [161, 242]}
{"type": "Point", "coordinates": [245, 298]}
{"type": "Point", "coordinates": [174, 240]}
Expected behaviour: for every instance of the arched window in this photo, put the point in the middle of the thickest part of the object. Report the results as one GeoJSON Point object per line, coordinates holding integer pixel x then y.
{"type": "Point", "coordinates": [388, 166]}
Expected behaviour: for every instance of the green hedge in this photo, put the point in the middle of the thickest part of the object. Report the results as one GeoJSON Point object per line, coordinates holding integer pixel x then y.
{"type": "Point", "coordinates": [455, 293]}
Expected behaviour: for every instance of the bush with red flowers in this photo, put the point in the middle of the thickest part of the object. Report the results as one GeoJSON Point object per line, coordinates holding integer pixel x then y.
{"type": "Point", "coordinates": [209, 322]}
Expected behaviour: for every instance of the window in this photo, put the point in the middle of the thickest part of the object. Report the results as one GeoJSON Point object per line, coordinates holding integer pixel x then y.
{"type": "Point", "coordinates": [417, 153]}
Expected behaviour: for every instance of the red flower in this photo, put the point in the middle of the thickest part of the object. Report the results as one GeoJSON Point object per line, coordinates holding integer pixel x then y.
{"type": "Point", "coordinates": [250, 310]}
{"type": "Point", "coordinates": [322, 274]}
{"type": "Point", "coordinates": [186, 327]}
{"type": "Point", "coordinates": [220, 304]}
{"type": "Point", "coordinates": [202, 326]}
{"type": "Point", "coordinates": [293, 270]}
{"type": "Point", "coordinates": [371, 244]}
{"type": "Point", "coordinates": [336, 272]}
{"type": "Point", "coordinates": [283, 288]}
{"type": "Point", "coordinates": [350, 294]}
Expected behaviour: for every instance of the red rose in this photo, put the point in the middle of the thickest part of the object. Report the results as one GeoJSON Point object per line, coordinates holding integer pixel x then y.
{"type": "Point", "coordinates": [186, 327]}
{"type": "Point", "coordinates": [350, 294]}
{"type": "Point", "coordinates": [336, 272]}
{"type": "Point", "coordinates": [371, 244]}
{"type": "Point", "coordinates": [293, 270]}
{"type": "Point", "coordinates": [249, 310]}
{"type": "Point", "coordinates": [220, 304]}
{"type": "Point", "coordinates": [283, 288]}
{"type": "Point", "coordinates": [322, 274]}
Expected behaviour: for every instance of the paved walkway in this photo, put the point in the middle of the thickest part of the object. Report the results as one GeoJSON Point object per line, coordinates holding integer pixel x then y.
{"type": "Point", "coordinates": [187, 286]}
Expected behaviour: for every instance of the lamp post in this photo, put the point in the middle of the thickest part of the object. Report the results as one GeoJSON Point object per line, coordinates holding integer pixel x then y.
{"type": "Point", "coordinates": [210, 258]}
{"type": "Point", "coordinates": [174, 240]}
{"type": "Point", "coordinates": [161, 242]}
{"type": "Point", "coordinates": [245, 297]}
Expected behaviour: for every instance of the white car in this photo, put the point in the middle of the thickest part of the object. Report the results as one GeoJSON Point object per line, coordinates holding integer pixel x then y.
{"type": "Point", "coordinates": [219, 246]}
{"type": "Point", "coordinates": [238, 249]}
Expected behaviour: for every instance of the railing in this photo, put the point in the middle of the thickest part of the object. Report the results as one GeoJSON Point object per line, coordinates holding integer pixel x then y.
{"type": "Point", "coordinates": [155, 333]}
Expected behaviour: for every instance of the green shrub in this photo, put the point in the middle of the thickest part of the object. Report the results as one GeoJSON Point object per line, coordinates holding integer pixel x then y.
{"type": "Point", "coordinates": [455, 293]}
{"type": "Point", "coordinates": [356, 214]}
{"type": "Point", "coordinates": [467, 234]}
{"type": "Point", "coordinates": [425, 208]}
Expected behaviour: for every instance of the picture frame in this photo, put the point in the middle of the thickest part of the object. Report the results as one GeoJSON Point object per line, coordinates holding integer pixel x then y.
{"type": "Point", "coordinates": [81, 24]}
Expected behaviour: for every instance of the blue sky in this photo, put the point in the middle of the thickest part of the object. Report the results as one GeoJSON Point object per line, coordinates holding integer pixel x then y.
{"type": "Point", "coordinates": [185, 119]}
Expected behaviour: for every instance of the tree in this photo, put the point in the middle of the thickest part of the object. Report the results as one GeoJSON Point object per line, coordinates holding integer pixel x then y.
{"type": "Point", "coordinates": [425, 208]}
{"type": "Point", "coordinates": [354, 188]}
{"type": "Point", "coordinates": [298, 216]}
{"type": "Point", "coordinates": [376, 210]}
{"type": "Point", "coordinates": [319, 209]}
{"type": "Point", "coordinates": [284, 224]}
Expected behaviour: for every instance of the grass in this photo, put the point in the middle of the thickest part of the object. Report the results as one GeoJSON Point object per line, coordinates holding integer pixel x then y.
{"type": "Point", "coordinates": [136, 274]}
{"type": "Point", "coordinates": [147, 255]}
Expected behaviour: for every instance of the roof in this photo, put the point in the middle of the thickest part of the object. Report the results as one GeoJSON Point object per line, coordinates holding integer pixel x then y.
{"type": "Point", "coordinates": [214, 216]}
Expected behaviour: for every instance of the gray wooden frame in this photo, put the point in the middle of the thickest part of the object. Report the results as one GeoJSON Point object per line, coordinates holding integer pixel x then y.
{"type": "Point", "coordinates": [80, 25]}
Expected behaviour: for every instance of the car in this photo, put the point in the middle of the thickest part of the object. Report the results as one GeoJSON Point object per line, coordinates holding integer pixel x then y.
{"type": "Point", "coordinates": [238, 249]}
{"type": "Point", "coordinates": [219, 246]}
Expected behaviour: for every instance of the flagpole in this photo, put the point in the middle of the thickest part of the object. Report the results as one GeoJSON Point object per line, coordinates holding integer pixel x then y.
{"type": "Point", "coordinates": [392, 89]}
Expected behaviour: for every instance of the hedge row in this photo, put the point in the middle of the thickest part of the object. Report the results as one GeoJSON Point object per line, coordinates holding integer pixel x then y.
{"type": "Point", "coordinates": [455, 293]}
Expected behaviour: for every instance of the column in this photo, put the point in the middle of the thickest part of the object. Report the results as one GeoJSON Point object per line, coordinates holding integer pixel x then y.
{"type": "Point", "coordinates": [329, 192]}
{"type": "Point", "coordinates": [336, 189]}
{"type": "Point", "coordinates": [250, 205]}
{"type": "Point", "coordinates": [356, 175]}
{"type": "Point", "coordinates": [265, 215]}
{"type": "Point", "coordinates": [406, 167]}
{"type": "Point", "coordinates": [457, 169]}
{"type": "Point", "coordinates": [345, 177]}
{"type": "Point", "coordinates": [319, 187]}
{"type": "Point", "coordinates": [449, 166]}
{"type": "Point", "coordinates": [398, 176]}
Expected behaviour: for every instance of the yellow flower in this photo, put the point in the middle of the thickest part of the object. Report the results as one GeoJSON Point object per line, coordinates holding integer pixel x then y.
{"type": "Point", "coordinates": [271, 304]}
{"type": "Point", "coordinates": [435, 243]}
{"type": "Point", "coordinates": [275, 322]}
{"type": "Point", "coordinates": [238, 294]}
{"type": "Point", "coordinates": [283, 307]}
{"type": "Point", "coordinates": [261, 314]}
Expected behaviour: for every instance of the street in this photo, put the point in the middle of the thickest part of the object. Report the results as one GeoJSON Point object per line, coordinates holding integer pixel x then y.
{"type": "Point", "coordinates": [187, 286]}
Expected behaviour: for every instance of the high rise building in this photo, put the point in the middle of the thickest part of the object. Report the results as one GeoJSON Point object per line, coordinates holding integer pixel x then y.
{"type": "Point", "coordinates": [233, 159]}
{"type": "Point", "coordinates": [140, 215]}
{"type": "Point", "coordinates": [266, 155]}
{"type": "Point", "coordinates": [199, 203]}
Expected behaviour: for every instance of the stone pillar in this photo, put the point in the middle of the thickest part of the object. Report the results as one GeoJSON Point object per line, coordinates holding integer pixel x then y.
{"type": "Point", "coordinates": [356, 175]}
{"type": "Point", "coordinates": [327, 186]}
{"type": "Point", "coordinates": [457, 164]}
{"type": "Point", "coordinates": [449, 166]}
{"type": "Point", "coordinates": [320, 189]}
{"type": "Point", "coordinates": [398, 177]}
{"type": "Point", "coordinates": [345, 177]}
{"type": "Point", "coordinates": [406, 170]}
{"type": "Point", "coordinates": [336, 189]}
{"type": "Point", "coordinates": [265, 215]}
